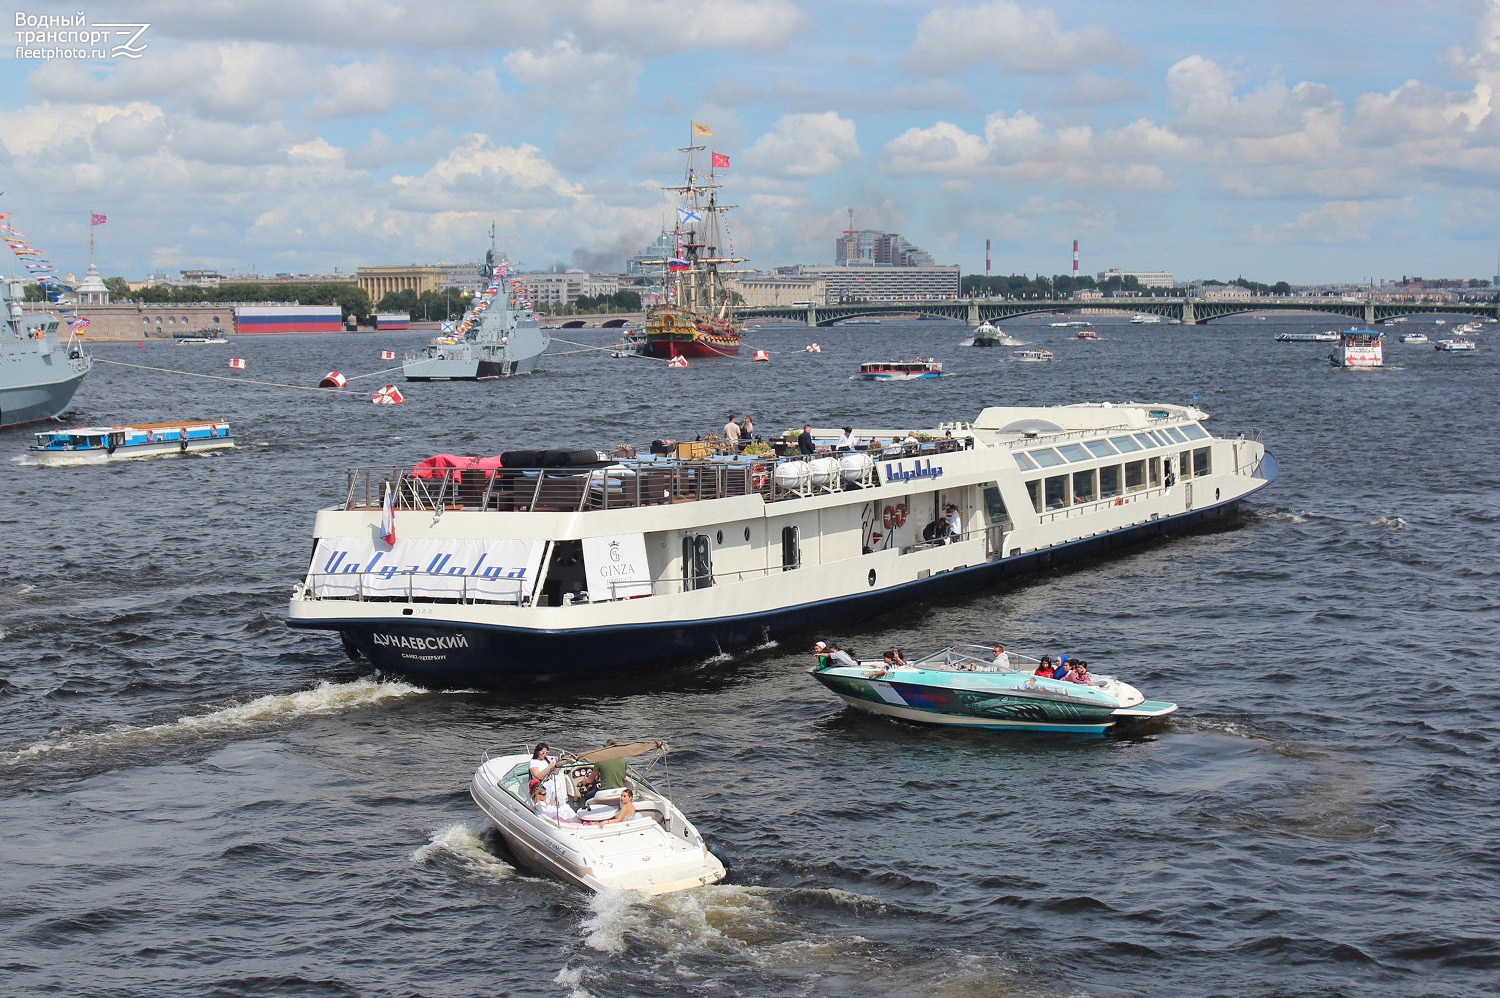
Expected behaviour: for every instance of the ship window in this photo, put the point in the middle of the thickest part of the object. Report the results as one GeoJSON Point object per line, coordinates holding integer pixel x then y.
{"type": "Point", "coordinates": [1200, 462]}
{"type": "Point", "coordinates": [1195, 432]}
{"type": "Point", "coordinates": [1149, 440]}
{"type": "Point", "coordinates": [994, 506]}
{"type": "Point", "coordinates": [1174, 434]}
{"type": "Point", "coordinates": [1185, 464]}
{"type": "Point", "coordinates": [791, 548]}
{"type": "Point", "coordinates": [1083, 486]}
{"type": "Point", "coordinates": [1046, 457]}
{"type": "Point", "coordinates": [1074, 452]}
{"type": "Point", "coordinates": [1100, 448]}
{"type": "Point", "coordinates": [1135, 476]}
{"type": "Point", "coordinates": [1055, 490]}
{"type": "Point", "coordinates": [1126, 444]}
{"type": "Point", "coordinates": [1153, 467]}
{"type": "Point", "coordinates": [697, 562]}
{"type": "Point", "coordinates": [1109, 481]}
{"type": "Point", "coordinates": [1034, 489]}
{"type": "Point", "coordinates": [1025, 463]}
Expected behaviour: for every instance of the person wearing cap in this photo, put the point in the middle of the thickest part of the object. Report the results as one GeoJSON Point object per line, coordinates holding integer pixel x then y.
{"type": "Point", "coordinates": [847, 441]}
{"type": "Point", "coordinates": [820, 650]}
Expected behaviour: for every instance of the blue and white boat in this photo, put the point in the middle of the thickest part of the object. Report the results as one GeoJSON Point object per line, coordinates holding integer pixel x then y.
{"type": "Point", "coordinates": [961, 687]}
{"type": "Point", "coordinates": [103, 444]}
{"type": "Point", "coordinates": [553, 567]}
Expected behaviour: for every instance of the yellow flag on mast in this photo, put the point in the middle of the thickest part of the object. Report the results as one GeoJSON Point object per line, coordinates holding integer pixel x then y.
{"type": "Point", "coordinates": [701, 130]}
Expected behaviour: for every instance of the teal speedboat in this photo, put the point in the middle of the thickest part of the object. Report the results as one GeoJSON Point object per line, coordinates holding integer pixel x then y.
{"type": "Point", "coordinates": [960, 686]}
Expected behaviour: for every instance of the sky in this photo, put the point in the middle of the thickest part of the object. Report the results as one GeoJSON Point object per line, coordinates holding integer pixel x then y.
{"type": "Point", "coordinates": [1326, 141]}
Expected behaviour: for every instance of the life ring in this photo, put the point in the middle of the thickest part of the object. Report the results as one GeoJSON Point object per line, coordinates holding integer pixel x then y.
{"type": "Point", "coordinates": [150, 436]}
{"type": "Point", "coordinates": [758, 475]}
{"type": "Point", "coordinates": [1119, 502]}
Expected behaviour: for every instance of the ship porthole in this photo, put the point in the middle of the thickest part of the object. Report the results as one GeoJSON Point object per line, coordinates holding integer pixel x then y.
{"type": "Point", "coordinates": [407, 612]}
{"type": "Point", "coordinates": [719, 537]}
{"type": "Point", "coordinates": [872, 576]}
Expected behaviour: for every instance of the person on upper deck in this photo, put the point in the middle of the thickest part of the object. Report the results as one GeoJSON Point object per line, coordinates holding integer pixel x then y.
{"type": "Point", "coordinates": [746, 428]}
{"type": "Point", "coordinates": [955, 524]}
{"type": "Point", "coordinates": [910, 440]}
{"type": "Point", "coordinates": [732, 433]}
{"type": "Point", "coordinates": [846, 441]}
{"type": "Point", "coordinates": [805, 443]}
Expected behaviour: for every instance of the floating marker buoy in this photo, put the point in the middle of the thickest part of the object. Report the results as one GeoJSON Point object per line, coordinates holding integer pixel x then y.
{"type": "Point", "coordinates": [387, 355]}
{"type": "Point", "coordinates": [237, 362]}
{"type": "Point", "coordinates": [814, 348]}
{"type": "Point", "coordinates": [678, 361]}
{"type": "Point", "coordinates": [762, 356]}
{"type": "Point", "coordinates": [333, 379]}
{"type": "Point", "coordinates": [389, 395]}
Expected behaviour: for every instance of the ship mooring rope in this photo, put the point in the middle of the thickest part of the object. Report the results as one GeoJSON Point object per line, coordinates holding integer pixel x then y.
{"type": "Point", "coordinates": [240, 381]}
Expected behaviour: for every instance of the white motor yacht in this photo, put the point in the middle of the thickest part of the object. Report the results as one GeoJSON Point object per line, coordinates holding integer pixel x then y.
{"type": "Point", "coordinates": [655, 851]}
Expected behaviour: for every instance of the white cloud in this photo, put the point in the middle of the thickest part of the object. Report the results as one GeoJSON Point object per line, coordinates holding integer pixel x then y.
{"type": "Point", "coordinates": [660, 27]}
{"type": "Point", "coordinates": [954, 39]}
{"type": "Point", "coordinates": [804, 145]}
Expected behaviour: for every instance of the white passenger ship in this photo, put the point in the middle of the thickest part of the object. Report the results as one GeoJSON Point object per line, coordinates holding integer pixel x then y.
{"type": "Point", "coordinates": [554, 566]}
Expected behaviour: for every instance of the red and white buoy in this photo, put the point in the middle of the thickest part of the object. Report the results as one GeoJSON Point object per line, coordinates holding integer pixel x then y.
{"type": "Point", "coordinates": [389, 395]}
{"type": "Point", "coordinates": [762, 356]}
{"type": "Point", "coordinates": [814, 348]}
{"type": "Point", "coordinates": [678, 361]}
{"type": "Point", "coordinates": [333, 379]}
{"type": "Point", "coordinates": [387, 355]}
{"type": "Point", "coordinates": [238, 363]}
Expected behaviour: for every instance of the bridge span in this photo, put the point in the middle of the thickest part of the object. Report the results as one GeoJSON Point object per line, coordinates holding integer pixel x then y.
{"type": "Point", "coordinates": [1190, 311]}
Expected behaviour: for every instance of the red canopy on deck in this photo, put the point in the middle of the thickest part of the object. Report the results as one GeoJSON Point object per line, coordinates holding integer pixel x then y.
{"type": "Point", "coordinates": [454, 465]}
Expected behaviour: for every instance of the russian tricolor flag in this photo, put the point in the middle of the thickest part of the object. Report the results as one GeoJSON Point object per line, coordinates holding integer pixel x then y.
{"type": "Point", "coordinates": [388, 517]}
{"type": "Point", "coordinates": [677, 263]}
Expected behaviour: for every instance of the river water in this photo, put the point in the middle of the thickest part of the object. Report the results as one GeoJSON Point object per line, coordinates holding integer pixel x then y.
{"type": "Point", "coordinates": [197, 800]}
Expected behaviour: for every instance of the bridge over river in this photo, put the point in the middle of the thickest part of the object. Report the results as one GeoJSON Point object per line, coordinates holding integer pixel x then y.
{"type": "Point", "coordinates": [1191, 311]}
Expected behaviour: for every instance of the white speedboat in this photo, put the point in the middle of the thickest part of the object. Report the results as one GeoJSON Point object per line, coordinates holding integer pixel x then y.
{"type": "Point", "coordinates": [1413, 337]}
{"type": "Point", "coordinates": [656, 851]}
{"type": "Point", "coordinates": [1033, 354]}
{"type": "Point", "coordinates": [1455, 346]}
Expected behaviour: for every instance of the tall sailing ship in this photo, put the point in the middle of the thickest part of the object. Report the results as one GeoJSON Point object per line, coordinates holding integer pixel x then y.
{"type": "Point", "coordinates": [694, 320]}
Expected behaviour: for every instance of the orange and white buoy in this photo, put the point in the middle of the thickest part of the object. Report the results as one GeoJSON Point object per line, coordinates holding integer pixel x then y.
{"type": "Point", "coordinates": [238, 363]}
{"type": "Point", "coordinates": [389, 395]}
{"type": "Point", "coordinates": [678, 361]}
{"type": "Point", "coordinates": [387, 355]}
{"type": "Point", "coordinates": [762, 356]}
{"type": "Point", "coordinates": [333, 379]}
{"type": "Point", "coordinates": [814, 348]}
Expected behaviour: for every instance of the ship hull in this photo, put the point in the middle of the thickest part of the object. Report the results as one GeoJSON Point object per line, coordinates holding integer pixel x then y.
{"type": "Point", "coordinates": [454, 654]}
{"type": "Point", "coordinates": [22, 403]}
{"type": "Point", "coordinates": [691, 346]}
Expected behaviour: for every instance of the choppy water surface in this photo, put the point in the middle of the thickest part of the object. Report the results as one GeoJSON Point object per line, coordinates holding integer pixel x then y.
{"type": "Point", "coordinates": [198, 801]}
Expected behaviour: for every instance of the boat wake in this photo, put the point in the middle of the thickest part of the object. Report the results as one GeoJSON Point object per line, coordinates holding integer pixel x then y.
{"type": "Point", "coordinates": [740, 934]}
{"type": "Point", "coordinates": [1392, 522]}
{"type": "Point", "coordinates": [325, 698]}
{"type": "Point", "coordinates": [463, 845]}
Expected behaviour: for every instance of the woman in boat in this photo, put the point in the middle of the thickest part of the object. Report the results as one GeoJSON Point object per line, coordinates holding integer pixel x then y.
{"type": "Point", "coordinates": [1044, 668]}
{"type": "Point", "coordinates": [552, 809]}
{"type": "Point", "coordinates": [543, 769]}
{"type": "Point", "coordinates": [627, 808]}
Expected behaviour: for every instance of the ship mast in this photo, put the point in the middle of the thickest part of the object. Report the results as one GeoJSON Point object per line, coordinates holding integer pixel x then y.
{"type": "Point", "coordinates": [700, 238]}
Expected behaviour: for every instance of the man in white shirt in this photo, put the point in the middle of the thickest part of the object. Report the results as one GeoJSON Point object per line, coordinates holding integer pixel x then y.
{"type": "Point", "coordinates": [732, 432]}
{"type": "Point", "coordinates": [837, 656]}
{"type": "Point", "coordinates": [955, 524]}
{"type": "Point", "coordinates": [845, 442]}
{"type": "Point", "coordinates": [1002, 657]}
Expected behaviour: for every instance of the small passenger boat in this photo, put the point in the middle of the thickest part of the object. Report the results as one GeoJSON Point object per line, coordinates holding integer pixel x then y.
{"type": "Point", "coordinates": [101, 444]}
{"type": "Point", "coordinates": [1413, 337]}
{"type": "Point", "coordinates": [1032, 354]}
{"type": "Point", "coordinates": [895, 370]}
{"type": "Point", "coordinates": [655, 851]}
{"type": "Point", "coordinates": [960, 686]}
{"type": "Point", "coordinates": [1358, 348]}
{"type": "Point", "coordinates": [1325, 337]}
{"type": "Point", "coordinates": [1456, 346]}
{"type": "Point", "coordinates": [1087, 334]}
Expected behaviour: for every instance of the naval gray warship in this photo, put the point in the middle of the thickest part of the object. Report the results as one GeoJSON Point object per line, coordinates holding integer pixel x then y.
{"type": "Point", "coordinates": [496, 338]}
{"type": "Point", "coordinates": [39, 370]}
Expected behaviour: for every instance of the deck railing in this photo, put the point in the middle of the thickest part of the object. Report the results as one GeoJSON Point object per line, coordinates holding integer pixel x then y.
{"type": "Point", "coordinates": [624, 484]}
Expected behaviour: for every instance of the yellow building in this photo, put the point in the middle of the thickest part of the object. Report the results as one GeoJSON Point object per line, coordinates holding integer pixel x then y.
{"type": "Point", "coordinates": [377, 282]}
